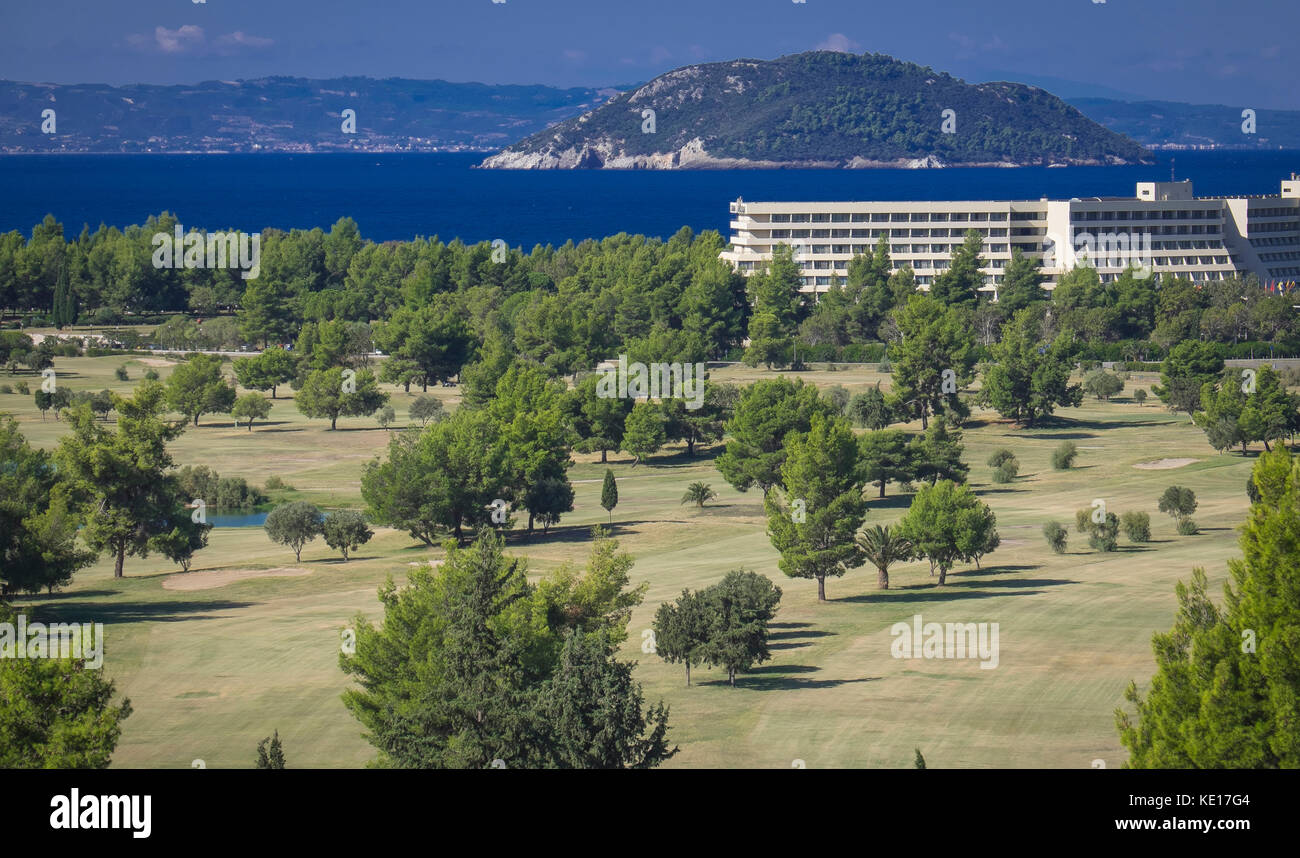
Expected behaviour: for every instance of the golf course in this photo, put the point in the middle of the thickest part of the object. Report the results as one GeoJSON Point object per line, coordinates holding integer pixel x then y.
{"type": "Point", "coordinates": [247, 641]}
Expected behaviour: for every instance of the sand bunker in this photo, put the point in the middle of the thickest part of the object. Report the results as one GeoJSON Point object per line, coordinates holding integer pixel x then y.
{"type": "Point", "coordinates": [211, 578]}
{"type": "Point", "coordinates": [155, 362]}
{"type": "Point", "coordinates": [1164, 464]}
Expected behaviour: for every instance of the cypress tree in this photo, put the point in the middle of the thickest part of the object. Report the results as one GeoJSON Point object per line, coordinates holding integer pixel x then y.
{"type": "Point", "coordinates": [609, 494]}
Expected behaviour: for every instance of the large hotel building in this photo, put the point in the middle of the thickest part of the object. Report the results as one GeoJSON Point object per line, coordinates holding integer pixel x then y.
{"type": "Point", "coordinates": [1165, 225]}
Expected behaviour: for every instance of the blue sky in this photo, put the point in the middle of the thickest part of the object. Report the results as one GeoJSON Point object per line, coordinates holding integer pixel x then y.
{"type": "Point", "coordinates": [1206, 51]}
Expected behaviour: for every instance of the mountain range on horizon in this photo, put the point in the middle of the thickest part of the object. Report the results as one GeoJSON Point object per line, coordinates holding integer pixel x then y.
{"type": "Point", "coordinates": [286, 114]}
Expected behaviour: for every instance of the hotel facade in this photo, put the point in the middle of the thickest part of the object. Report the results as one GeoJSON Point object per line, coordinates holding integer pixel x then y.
{"type": "Point", "coordinates": [1163, 229]}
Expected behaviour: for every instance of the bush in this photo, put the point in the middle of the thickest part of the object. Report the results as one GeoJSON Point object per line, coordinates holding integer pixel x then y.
{"type": "Point", "coordinates": [1064, 455]}
{"type": "Point", "coordinates": [1001, 456]}
{"type": "Point", "coordinates": [151, 374]}
{"type": "Point", "coordinates": [1003, 473]}
{"type": "Point", "coordinates": [1140, 395]}
{"type": "Point", "coordinates": [838, 396]}
{"type": "Point", "coordinates": [4, 388]}
{"type": "Point", "coordinates": [1187, 527]}
{"type": "Point", "coordinates": [1102, 384]}
{"type": "Point", "coordinates": [120, 372]}
{"type": "Point", "coordinates": [22, 388]}
{"type": "Point", "coordinates": [885, 365]}
{"type": "Point", "coordinates": [274, 483]}
{"type": "Point", "coordinates": [1056, 535]}
{"type": "Point", "coordinates": [1136, 526]}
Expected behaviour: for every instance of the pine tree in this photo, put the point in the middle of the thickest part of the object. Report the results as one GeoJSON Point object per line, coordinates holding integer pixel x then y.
{"type": "Point", "coordinates": [1225, 693]}
{"type": "Point", "coordinates": [273, 758]}
{"type": "Point", "coordinates": [609, 494]}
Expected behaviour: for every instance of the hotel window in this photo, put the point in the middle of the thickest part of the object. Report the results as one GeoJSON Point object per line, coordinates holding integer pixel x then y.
{"type": "Point", "coordinates": [798, 233]}
{"type": "Point", "coordinates": [861, 217]}
{"type": "Point", "coordinates": [975, 216]}
{"type": "Point", "coordinates": [900, 248]}
{"type": "Point", "coordinates": [879, 217]}
{"type": "Point", "coordinates": [821, 248]}
{"type": "Point", "coordinates": [821, 265]}
{"type": "Point", "coordinates": [997, 248]}
{"type": "Point", "coordinates": [898, 217]}
{"type": "Point", "coordinates": [798, 218]}
{"type": "Point", "coordinates": [939, 217]}
{"type": "Point", "coordinates": [821, 233]}
{"type": "Point", "coordinates": [841, 233]}
{"type": "Point", "coordinates": [920, 217]}
{"type": "Point", "coordinates": [823, 281]}
{"type": "Point", "coordinates": [839, 218]}
{"type": "Point", "coordinates": [842, 248]}
{"type": "Point", "coordinates": [997, 215]}
{"type": "Point", "coordinates": [821, 218]}
{"type": "Point", "coordinates": [780, 218]}
{"type": "Point", "coordinates": [780, 233]}
{"type": "Point", "coordinates": [938, 248]}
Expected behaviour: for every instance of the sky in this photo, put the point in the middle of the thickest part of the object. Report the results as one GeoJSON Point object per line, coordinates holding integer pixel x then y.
{"type": "Point", "coordinates": [1200, 51]}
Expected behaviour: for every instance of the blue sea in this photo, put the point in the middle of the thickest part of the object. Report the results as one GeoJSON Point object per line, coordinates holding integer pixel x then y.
{"type": "Point", "coordinates": [400, 196]}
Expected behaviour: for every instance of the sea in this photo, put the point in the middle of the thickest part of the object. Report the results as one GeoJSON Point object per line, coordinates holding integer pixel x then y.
{"type": "Point", "coordinates": [402, 196]}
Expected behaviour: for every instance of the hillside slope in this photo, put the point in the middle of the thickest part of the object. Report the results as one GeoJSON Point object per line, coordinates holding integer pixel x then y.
{"type": "Point", "coordinates": [822, 109]}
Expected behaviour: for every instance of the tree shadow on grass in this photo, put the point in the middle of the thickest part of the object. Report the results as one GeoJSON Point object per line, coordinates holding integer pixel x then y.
{"type": "Point", "coordinates": [39, 599]}
{"type": "Point", "coordinates": [997, 569]}
{"type": "Point", "coordinates": [959, 590]}
{"type": "Point", "coordinates": [796, 639]}
{"type": "Point", "coordinates": [133, 612]}
{"type": "Point", "coordinates": [781, 677]}
{"type": "Point", "coordinates": [894, 501]}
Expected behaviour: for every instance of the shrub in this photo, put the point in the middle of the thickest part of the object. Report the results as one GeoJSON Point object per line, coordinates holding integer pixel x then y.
{"type": "Point", "coordinates": [1103, 537]}
{"type": "Point", "coordinates": [1001, 456]}
{"type": "Point", "coordinates": [4, 388]}
{"type": "Point", "coordinates": [1056, 535]}
{"type": "Point", "coordinates": [885, 365]}
{"type": "Point", "coordinates": [838, 396]}
{"type": "Point", "coordinates": [1187, 527]}
{"type": "Point", "coordinates": [121, 374]}
{"type": "Point", "coordinates": [1140, 395]}
{"type": "Point", "coordinates": [1064, 455]}
{"type": "Point", "coordinates": [151, 374]}
{"type": "Point", "coordinates": [1004, 473]}
{"type": "Point", "coordinates": [1136, 526]}
{"type": "Point", "coordinates": [22, 388]}
{"type": "Point", "coordinates": [1102, 384]}
{"type": "Point", "coordinates": [274, 483]}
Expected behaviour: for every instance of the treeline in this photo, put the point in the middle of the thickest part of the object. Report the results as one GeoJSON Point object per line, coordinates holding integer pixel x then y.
{"type": "Point", "coordinates": [433, 306]}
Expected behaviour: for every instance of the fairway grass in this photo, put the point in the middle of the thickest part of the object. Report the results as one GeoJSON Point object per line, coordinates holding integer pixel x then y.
{"type": "Point", "coordinates": [211, 671]}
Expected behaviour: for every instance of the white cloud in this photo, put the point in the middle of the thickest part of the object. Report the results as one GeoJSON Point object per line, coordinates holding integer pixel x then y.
{"type": "Point", "coordinates": [838, 42]}
{"type": "Point", "coordinates": [190, 39]}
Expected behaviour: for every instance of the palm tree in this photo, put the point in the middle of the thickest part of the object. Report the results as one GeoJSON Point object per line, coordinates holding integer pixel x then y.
{"type": "Point", "coordinates": [884, 549]}
{"type": "Point", "coordinates": [698, 493]}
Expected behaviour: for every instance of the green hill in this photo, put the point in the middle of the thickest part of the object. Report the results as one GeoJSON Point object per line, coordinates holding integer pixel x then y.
{"type": "Point", "coordinates": [821, 109]}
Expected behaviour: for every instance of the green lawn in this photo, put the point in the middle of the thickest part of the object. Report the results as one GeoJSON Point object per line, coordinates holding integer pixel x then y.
{"type": "Point", "coordinates": [211, 671]}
